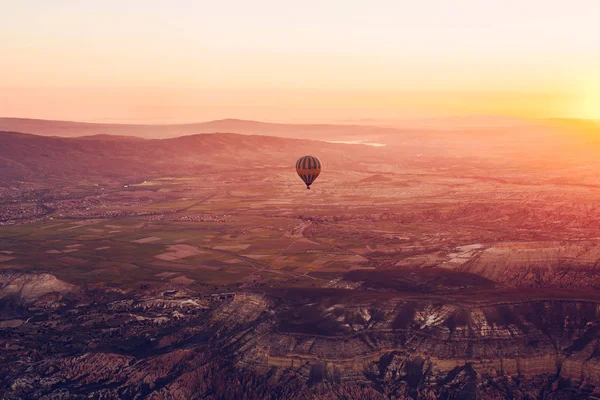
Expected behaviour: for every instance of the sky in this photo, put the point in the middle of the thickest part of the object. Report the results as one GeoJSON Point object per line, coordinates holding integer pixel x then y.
{"type": "Point", "coordinates": [309, 61]}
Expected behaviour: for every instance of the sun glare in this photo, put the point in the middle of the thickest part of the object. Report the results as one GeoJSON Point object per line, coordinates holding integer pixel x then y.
{"type": "Point", "coordinates": [588, 105]}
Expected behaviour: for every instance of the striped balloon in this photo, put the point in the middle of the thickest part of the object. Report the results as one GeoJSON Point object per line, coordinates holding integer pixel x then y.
{"type": "Point", "coordinates": [308, 168]}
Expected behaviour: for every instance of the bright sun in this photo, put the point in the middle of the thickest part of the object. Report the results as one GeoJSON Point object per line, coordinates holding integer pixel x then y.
{"type": "Point", "coordinates": [588, 104]}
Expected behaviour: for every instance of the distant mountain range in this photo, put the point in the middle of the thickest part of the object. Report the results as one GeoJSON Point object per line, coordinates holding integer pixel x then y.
{"type": "Point", "coordinates": [68, 150]}
{"type": "Point", "coordinates": [76, 129]}
{"type": "Point", "coordinates": [302, 131]}
{"type": "Point", "coordinates": [445, 133]}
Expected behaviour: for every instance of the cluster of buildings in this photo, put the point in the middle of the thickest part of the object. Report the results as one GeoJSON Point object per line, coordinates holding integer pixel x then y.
{"type": "Point", "coordinates": [190, 218]}
{"type": "Point", "coordinates": [9, 214]}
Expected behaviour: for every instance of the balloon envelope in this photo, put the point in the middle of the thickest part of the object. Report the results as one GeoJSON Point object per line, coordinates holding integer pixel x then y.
{"type": "Point", "coordinates": [308, 168]}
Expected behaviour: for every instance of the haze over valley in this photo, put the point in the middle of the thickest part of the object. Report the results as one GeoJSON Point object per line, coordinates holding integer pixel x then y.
{"type": "Point", "coordinates": [431, 266]}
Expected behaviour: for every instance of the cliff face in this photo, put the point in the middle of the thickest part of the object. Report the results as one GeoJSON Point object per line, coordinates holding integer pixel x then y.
{"type": "Point", "coordinates": [30, 287]}
{"type": "Point", "coordinates": [547, 264]}
{"type": "Point", "coordinates": [326, 345]}
{"type": "Point", "coordinates": [386, 340]}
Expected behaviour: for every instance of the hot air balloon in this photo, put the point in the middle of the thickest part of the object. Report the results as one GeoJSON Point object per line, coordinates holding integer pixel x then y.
{"type": "Point", "coordinates": [308, 168]}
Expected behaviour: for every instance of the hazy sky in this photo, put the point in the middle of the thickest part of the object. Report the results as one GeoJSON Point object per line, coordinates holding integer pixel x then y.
{"type": "Point", "coordinates": [298, 60]}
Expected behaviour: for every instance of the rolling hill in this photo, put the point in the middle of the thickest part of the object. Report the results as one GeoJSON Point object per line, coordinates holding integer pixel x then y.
{"type": "Point", "coordinates": [27, 157]}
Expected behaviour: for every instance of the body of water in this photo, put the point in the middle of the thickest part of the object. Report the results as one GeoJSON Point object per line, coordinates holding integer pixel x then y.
{"type": "Point", "coordinates": [357, 142]}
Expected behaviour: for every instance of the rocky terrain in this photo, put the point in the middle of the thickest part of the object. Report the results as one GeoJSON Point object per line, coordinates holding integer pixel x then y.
{"type": "Point", "coordinates": [329, 343]}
